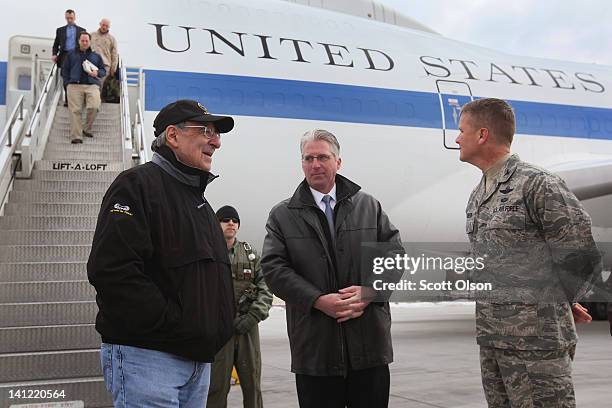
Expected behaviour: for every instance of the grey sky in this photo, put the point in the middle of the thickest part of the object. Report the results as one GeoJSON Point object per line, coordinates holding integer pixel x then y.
{"type": "Point", "coordinates": [571, 30]}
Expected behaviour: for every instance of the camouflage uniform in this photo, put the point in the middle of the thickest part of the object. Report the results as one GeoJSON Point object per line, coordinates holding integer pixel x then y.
{"type": "Point", "coordinates": [540, 256]}
{"type": "Point", "coordinates": [242, 351]}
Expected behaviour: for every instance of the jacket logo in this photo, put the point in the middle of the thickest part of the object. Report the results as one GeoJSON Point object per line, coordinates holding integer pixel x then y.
{"type": "Point", "coordinates": [503, 200]}
{"type": "Point", "coordinates": [121, 209]}
{"type": "Point", "coordinates": [507, 190]}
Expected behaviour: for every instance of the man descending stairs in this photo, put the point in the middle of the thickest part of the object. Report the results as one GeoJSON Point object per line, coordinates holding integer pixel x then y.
{"type": "Point", "coordinates": [48, 345]}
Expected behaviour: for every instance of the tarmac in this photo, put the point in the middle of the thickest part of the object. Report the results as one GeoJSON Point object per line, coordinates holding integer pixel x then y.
{"type": "Point", "coordinates": [436, 360]}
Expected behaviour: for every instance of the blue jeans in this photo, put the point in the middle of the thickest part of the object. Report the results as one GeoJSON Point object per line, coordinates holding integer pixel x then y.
{"type": "Point", "coordinates": [138, 377]}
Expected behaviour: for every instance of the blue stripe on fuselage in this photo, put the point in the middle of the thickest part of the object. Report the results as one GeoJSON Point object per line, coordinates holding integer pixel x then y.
{"type": "Point", "coordinates": [2, 82]}
{"type": "Point", "coordinates": [282, 98]}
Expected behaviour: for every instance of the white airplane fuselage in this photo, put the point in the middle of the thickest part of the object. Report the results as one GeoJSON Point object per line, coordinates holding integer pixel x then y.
{"type": "Point", "coordinates": [391, 95]}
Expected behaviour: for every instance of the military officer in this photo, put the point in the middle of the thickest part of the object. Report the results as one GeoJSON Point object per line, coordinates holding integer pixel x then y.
{"type": "Point", "coordinates": [253, 302]}
{"type": "Point", "coordinates": [540, 258]}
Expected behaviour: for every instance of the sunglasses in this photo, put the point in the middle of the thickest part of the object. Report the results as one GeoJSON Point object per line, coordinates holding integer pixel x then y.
{"type": "Point", "coordinates": [234, 220]}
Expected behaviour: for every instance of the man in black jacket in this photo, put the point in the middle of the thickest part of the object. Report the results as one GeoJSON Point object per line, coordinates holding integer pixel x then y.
{"type": "Point", "coordinates": [160, 267]}
{"type": "Point", "coordinates": [340, 340]}
{"type": "Point", "coordinates": [66, 40]}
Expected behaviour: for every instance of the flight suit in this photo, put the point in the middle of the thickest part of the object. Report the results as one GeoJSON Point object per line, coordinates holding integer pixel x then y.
{"type": "Point", "coordinates": [243, 351]}
{"type": "Point", "coordinates": [540, 257]}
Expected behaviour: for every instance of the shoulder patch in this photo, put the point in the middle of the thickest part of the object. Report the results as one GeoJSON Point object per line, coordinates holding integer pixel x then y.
{"type": "Point", "coordinates": [121, 209]}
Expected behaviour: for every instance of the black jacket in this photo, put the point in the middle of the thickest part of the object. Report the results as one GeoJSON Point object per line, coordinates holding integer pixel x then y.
{"type": "Point", "coordinates": [159, 263]}
{"type": "Point", "coordinates": [59, 44]}
{"type": "Point", "coordinates": [299, 266]}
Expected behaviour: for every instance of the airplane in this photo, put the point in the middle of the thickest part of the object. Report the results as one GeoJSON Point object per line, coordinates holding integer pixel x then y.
{"type": "Point", "coordinates": [388, 87]}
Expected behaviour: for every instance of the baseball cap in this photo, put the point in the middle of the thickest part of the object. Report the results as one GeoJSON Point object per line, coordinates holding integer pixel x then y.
{"type": "Point", "coordinates": [189, 110]}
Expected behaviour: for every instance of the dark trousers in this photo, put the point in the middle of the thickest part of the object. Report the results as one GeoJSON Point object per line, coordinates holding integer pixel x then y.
{"type": "Point", "coordinates": [367, 388]}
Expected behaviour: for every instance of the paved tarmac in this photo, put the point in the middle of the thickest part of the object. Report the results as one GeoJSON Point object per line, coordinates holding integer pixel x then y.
{"type": "Point", "coordinates": [436, 361]}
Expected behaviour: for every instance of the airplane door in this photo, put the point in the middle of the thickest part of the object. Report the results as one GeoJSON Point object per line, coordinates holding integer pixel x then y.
{"type": "Point", "coordinates": [453, 95]}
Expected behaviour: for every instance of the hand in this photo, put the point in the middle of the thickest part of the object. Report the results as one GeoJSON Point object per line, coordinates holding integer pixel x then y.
{"type": "Point", "coordinates": [94, 73]}
{"type": "Point", "coordinates": [331, 304]}
{"type": "Point", "coordinates": [243, 324]}
{"type": "Point", "coordinates": [112, 73]}
{"type": "Point", "coordinates": [54, 58]}
{"type": "Point", "coordinates": [359, 298]}
{"type": "Point", "coordinates": [581, 314]}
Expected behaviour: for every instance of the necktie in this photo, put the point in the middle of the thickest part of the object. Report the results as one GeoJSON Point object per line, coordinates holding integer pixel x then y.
{"type": "Point", "coordinates": [329, 214]}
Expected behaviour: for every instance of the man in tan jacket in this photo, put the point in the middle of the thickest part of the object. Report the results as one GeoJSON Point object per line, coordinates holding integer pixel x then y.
{"type": "Point", "coordinates": [103, 43]}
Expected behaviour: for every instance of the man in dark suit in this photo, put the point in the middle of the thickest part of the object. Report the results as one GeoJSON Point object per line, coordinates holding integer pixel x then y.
{"type": "Point", "coordinates": [66, 40]}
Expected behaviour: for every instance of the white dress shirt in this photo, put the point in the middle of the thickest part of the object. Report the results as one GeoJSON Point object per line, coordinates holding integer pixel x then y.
{"type": "Point", "coordinates": [318, 197]}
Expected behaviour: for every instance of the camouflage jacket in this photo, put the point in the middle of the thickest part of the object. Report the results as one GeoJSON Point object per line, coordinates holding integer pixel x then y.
{"type": "Point", "coordinates": [250, 290]}
{"type": "Point", "coordinates": [539, 256]}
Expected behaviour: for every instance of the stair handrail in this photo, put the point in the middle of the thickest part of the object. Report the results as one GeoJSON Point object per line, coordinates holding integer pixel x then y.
{"type": "Point", "coordinates": [126, 126]}
{"type": "Point", "coordinates": [140, 135]}
{"type": "Point", "coordinates": [9, 142]}
{"type": "Point", "coordinates": [41, 120]}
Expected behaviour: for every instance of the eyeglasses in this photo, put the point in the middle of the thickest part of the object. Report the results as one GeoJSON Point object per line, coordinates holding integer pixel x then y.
{"type": "Point", "coordinates": [226, 220]}
{"type": "Point", "coordinates": [205, 131]}
{"type": "Point", "coordinates": [323, 158]}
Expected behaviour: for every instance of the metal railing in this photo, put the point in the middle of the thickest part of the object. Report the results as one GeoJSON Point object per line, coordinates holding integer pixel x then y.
{"type": "Point", "coordinates": [126, 124]}
{"type": "Point", "coordinates": [38, 129]}
{"type": "Point", "coordinates": [8, 128]}
{"type": "Point", "coordinates": [141, 150]}
{"type": "Point", "coordinates": [9, 142]}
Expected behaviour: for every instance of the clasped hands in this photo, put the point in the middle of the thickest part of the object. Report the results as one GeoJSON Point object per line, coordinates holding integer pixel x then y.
{"type": "Point", "coordinates": [347, 303]}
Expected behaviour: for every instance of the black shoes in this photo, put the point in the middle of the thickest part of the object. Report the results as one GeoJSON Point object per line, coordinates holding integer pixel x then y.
{"type": "Point", "coordinates": [85, 133]}
{"type": "Point", "coordinates": [77, 141]}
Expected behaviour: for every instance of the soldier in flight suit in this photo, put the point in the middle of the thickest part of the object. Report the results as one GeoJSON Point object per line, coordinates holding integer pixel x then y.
{"type": "Point", "coordinates": [540, 257]}
{"type": "Point", "coordinates": [253, 301]}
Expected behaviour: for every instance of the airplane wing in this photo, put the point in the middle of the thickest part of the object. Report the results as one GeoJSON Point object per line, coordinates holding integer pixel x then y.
{"type": "Point", "coordinates": [589, 178]}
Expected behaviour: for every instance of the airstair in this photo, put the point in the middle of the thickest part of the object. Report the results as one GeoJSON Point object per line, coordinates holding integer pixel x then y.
{"type": "Point", "coordinates": [49, 349]}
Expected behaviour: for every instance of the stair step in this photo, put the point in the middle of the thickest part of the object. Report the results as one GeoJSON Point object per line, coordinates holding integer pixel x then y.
{"type": "Point", "coordinates": [84, 166]}
{"type": "Point", "coordinates": [102, 141]}
{"type": "Point", "coordinates": [42, 271]}
{"type": "Point", "coordinates": [75, 175]}
{"type": "Point", "coordinates": [90, 391]}
{"type": "Point", "coordinates": [55, 196]}
{"type": "Point", "coordinates": [84, 147]}
{"type": "Point", "coordinates": [44, 253]}
{"type": "Point", "coordinates": [14, 222]}
{"type": "Point", "coordinates": [54, 185]}
{"type": "Point", "coordinates": [50, 365]}
{"type": "Point", "coordinates": [47, 313]}
{"type": "Point", "coordinates": [106, 156]}
{"type": "Point", "coordinates": [42, 237]}
{"type": "Point", "coordinates": [48, 338]}
{"type": "Point", "coordinates": [50, 291]}
{"type": "Point", "coordinates": [65, 209]}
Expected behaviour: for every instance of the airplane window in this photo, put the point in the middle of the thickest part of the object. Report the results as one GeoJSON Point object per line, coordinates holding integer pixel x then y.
{"type": "Point", "coordinates": [550, 122]}
{"type": "Point", "coordinates": [317, 102]}
{"type": "Point", "coordinates": [24, 82]}
{"type": "Point", "coordinates": [335, 104]}
{"type": "Point", "coordinates": [390, 108]}
{"type": "Point", "coordinates": [521, 119]}
{"type": "Point", "coordinates": [372, 106]}
{"type": "Point", "coordinates": [594, 126]}
{"type": "Point", "coordinates": [236, 97]}
{"type": "Point", "coordinates": [256, 98]}
{"type": "Point", "coordinates": [276, 99]}
{"type": "Point", "coordinates": [537, 120]}
{"type": "Point", "coordinates": [608, 125]}
{"type": "Point", "coordinates": [296, 100]}
{"type": "Point", "coordinates": [354, 106]}
{"type": "Point", "coordinates": [407, 110]}
{"type": "Point", "coordinates": [565, 123]}
{"type": "Point", "coordinates": [579, 123]}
